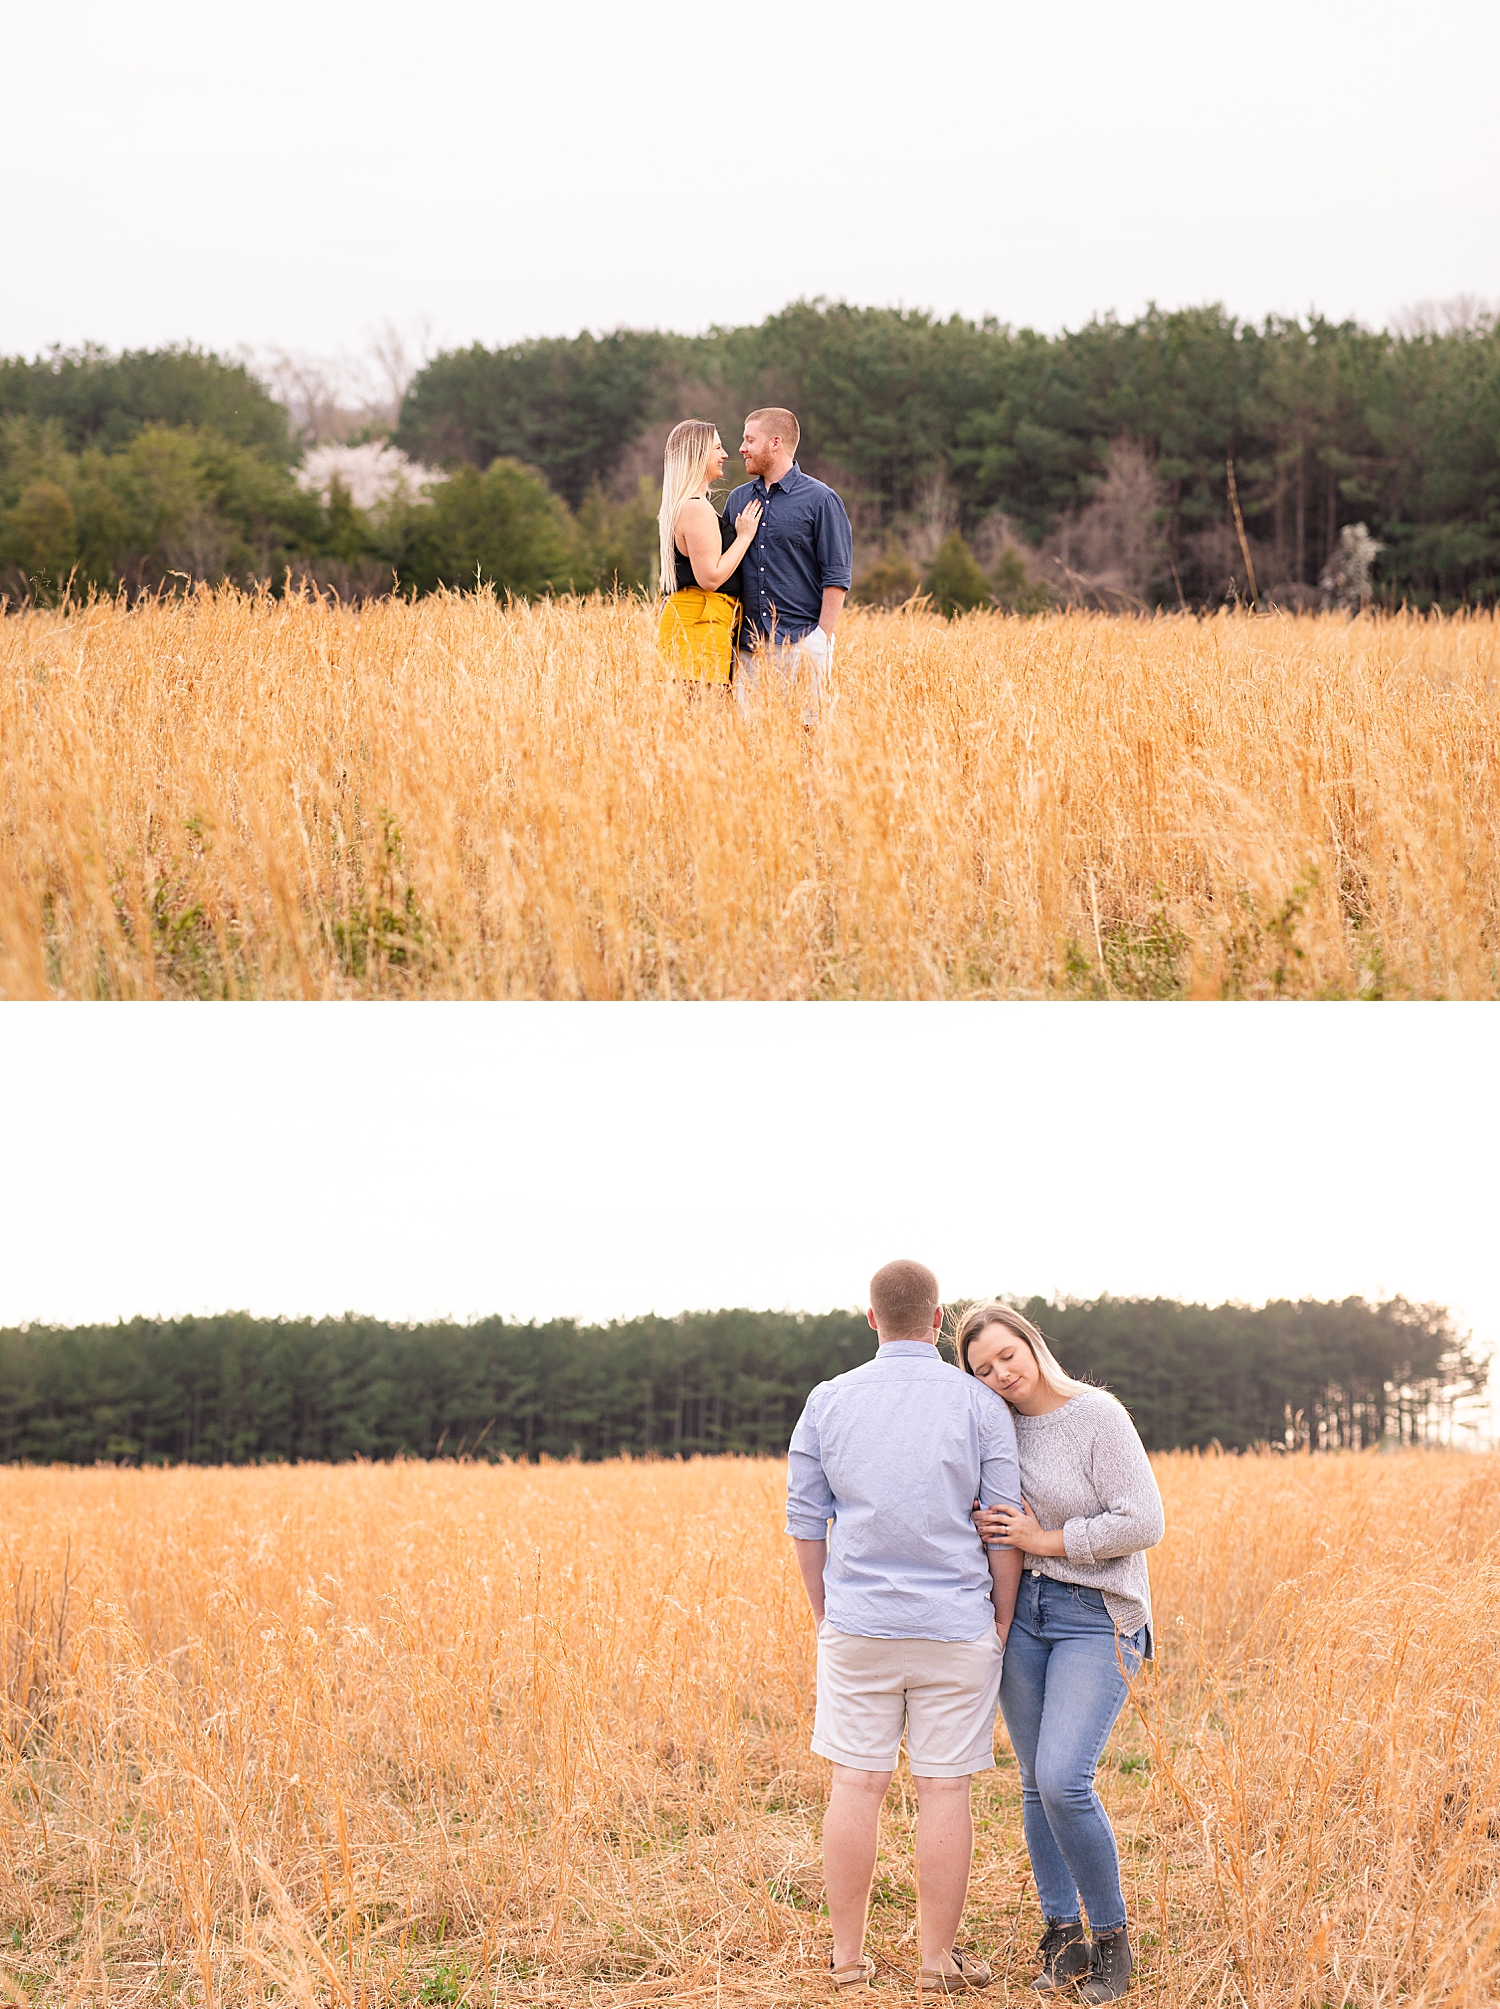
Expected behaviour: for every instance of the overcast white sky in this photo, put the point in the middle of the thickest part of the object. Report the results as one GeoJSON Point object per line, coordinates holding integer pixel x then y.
{"type": "Point", "coordinates": [411, 1160]}
{"type": "Point", "coordinates": [299, 172]}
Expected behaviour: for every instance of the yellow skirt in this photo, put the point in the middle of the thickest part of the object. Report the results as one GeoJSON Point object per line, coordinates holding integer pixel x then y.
{"type": "Point", "coordinates": [696, 634]}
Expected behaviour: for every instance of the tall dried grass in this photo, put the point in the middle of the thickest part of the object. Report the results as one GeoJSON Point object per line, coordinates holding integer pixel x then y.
{"type": "Point", "coordinates": [444, 1733]}
{"type": "Point", "coordinates": [231, 796]}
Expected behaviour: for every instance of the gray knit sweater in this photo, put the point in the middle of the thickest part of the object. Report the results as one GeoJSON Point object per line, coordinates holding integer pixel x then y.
{"type": "Point", "coordinates": [1085, 1470]}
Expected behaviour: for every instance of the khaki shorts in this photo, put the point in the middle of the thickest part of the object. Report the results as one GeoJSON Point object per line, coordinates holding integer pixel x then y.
{"type": "Point", "coordinates": [943, 1691]}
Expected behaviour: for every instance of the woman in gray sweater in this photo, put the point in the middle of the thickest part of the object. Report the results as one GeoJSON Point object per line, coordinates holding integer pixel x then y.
{"type": "Point", "coordinates": [1082, 1628]}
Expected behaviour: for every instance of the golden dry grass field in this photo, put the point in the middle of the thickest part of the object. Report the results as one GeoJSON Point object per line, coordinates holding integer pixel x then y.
{"type": "Point", "coordinates": [245, 797]}
{"type": "Point", "coordinates": [380, 1735]}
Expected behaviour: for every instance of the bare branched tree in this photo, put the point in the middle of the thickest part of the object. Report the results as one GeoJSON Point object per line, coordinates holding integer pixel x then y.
{"type": "Point", "coordinates": [934, 518]}
{"type": "Point", "coordinates": [339, 397]}
{"type": "Point", "coordinates": [1463, 314]}
{"type": "Point", "coordinates": [1108, 554]}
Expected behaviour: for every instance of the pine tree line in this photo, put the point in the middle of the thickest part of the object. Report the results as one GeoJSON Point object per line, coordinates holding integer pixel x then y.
{"type": "Point", "coordinates": [237, 1390]}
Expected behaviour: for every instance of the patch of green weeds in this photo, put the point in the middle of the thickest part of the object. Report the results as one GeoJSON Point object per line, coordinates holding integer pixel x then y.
{"type": "Point", "coordinates": [185, 953]}
{"type": "Point", "coordinates": [1252, 935]}
{"type": "Point", "coordinates": [1141, 959]}
{"type": "Point", "coordinates": [1281, 931]}
{"type": "Point", "coordinates": [1377, 981]}
{"type": "Point", "coordinates": [520, 1967]}
{"type": "Point", "coordinates": [888, 1890]}
{"type": "Point", "coordinates": [390, 933]}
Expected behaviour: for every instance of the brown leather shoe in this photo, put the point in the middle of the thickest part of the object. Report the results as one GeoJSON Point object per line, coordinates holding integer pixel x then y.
{"type": "Point", "coordinates": [967, 1973]}
{"type": "Point", "coordinates": [858, 1974]}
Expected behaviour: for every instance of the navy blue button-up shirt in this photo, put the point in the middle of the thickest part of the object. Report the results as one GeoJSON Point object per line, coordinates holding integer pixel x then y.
{"type": "Point", "coordinates": [804, 543]}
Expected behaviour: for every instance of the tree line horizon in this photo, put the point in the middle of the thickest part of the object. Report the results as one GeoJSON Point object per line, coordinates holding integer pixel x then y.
{"type": "Point", "coordinates": [984, 464]}
{"type": "Point", "coordinates": [232, 1389]}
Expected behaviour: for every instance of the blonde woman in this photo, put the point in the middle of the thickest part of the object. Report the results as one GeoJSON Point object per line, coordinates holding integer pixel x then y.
{"type": "Point", "coordinates": [701, 554]}
{"type": "Point", "coordinates": [1090, 1511]}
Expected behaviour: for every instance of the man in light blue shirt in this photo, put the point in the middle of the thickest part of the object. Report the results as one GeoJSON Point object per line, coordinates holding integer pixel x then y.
{"type": "Point", "coordinates": [912, 1610]}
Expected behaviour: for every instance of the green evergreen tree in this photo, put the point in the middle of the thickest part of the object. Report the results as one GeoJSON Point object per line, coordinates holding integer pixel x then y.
{"type": "Point", "coordinates": [170, 505]}
{"type": "Point", "coordinates": [955, 579]}
{"type": "Point", "coordinates": [1015, 589]}
{"type": "Point", "coordinates": [348, 534]}
{"type": "Point", "coordinates": [617, 541]}
{"type": "Point", "coordinates": [503, 528]}
{"type": "Point", "coordinates": [95, 399]}
{"type": "Point", "coordinates": [565, 407]}
{"type": "Point", "coordinates": [39, 537]}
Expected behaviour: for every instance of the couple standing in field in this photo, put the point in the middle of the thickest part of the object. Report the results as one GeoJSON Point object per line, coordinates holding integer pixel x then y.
{"type": "Point", "coordinates": [759, 588]}
{"type": "Point", "coordinates": [924, 1623]}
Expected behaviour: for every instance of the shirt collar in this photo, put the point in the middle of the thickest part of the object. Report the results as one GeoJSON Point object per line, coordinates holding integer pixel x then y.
{"type": "Point", "coordinates": [905, 1349]}
{"type": "Point", "coordinates": [787, 483]}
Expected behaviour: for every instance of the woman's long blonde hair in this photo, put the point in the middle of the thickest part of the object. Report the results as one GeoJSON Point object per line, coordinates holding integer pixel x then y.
{"type": "Point", "coordinates": [684, 473]}
{"type": "Point", "coordinates": [976, 1317]}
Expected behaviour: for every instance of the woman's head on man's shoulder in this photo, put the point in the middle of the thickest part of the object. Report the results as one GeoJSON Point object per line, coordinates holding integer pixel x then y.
{"type": "Point", "coordinates": [1001, 1347]}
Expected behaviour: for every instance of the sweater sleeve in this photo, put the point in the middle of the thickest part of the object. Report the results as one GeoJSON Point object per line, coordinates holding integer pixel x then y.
{"type": "Point", "coordinates": [1132, 1517]}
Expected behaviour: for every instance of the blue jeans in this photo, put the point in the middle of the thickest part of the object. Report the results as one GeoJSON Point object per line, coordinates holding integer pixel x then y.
{"type": "Point", "coordinates": [1062, 1689]}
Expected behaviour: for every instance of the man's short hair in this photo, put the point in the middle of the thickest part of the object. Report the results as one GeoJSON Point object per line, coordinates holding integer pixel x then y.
{"type": "Point", "coordinates": [903, 1297]}
{"type": "Point", "coordinates": [780, 424]}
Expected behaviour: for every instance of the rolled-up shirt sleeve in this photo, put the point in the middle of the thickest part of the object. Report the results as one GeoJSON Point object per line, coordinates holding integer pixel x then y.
{"type": "Point", "coordinates": [999, 1464]}
{"type": "Point", "coordinates": [1132, 1518]}
{"type": "Point", "coordinates": [835, 544]}
{"type": "Point", "coordinates": [809, 1497]}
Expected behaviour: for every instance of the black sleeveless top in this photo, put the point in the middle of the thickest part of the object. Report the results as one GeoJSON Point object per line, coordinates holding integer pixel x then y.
{"type": "Point", "coordinates": [732, 585]}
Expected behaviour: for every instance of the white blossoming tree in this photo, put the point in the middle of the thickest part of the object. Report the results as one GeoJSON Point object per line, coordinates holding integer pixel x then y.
{"type": "Point", "coordinates": [1349, 577]}
{"type": "Point", "coordinates": [376, 476]}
